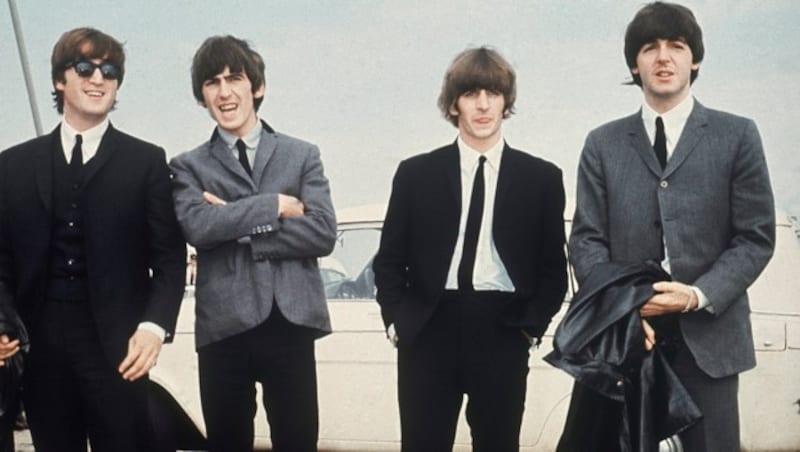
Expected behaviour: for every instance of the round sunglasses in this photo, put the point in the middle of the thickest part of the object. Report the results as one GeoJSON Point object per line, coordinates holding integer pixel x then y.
{"type": "Point", "coordinates": [86, 68]}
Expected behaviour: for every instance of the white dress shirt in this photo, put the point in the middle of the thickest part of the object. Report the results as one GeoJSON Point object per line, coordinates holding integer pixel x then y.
{"type": "Point", "coordinates": [489, 272]}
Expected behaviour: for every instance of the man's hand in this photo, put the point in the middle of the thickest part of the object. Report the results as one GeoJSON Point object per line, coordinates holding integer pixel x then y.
{"type": "Point", "coordinates": [213, 199]}
{"type": "Point", "coordinates": [289, 206]}
{"type": "Point", "coordinates": [649, 335]}
{"type": "Point", "coordinates": [670, 297]}
{"type": "Point", "coordinates": [143, 349]}
{"type": "Point", "coordinates": [391, 334]}
{"type": "Point", "coordinates": [8, 348]}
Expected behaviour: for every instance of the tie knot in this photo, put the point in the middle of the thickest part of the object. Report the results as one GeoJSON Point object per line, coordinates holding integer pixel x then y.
{"type": "Point", "coordinates": [240, 145]}
{"type": "Point", "coordinates": [481, 160]}
{"type": "Point", "coordinates": [659, 123]}
{"type": "Point", "coordinates": [78, 140]}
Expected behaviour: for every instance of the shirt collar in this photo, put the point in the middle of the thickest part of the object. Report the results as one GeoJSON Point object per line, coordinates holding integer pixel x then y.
{"type": "Point", "coordinates": [91, 138]}
{"type": "Point", "coordinates": [469, 156]}
{"type": "Point", "coordinates": [674, 119]}
{"type": "Point", "coordinates": [251, 138]}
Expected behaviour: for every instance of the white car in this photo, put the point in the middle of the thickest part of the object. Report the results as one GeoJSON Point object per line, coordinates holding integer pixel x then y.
{"type": "Point", "coordinates": [357, 365]}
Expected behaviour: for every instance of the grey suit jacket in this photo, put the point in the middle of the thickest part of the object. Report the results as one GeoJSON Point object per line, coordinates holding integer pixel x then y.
{"type": "Point", "coordinates": [713, 203]}
{"type": "Point", "coordinates": [246, 255]}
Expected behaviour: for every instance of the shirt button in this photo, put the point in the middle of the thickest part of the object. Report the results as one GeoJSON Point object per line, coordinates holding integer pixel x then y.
{"type": "Point", "coordinates": [620, 383]}
{"type": "Point", "coordinates": [664, 184]}
{"type": "Point", "coordinates": [74, 205]}
{"type": "Point", "coordinates": [70, 262]}
{"type": "Point", "coordinates": [71, 224]}
{"type": "Point", "coordinates": [75, 186]}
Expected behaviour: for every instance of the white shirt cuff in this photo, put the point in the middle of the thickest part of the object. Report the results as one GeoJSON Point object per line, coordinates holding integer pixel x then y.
{"type": "Point", "coordinates": [153, 328]}
{"type": "Point", "coordinates": [702, 300]}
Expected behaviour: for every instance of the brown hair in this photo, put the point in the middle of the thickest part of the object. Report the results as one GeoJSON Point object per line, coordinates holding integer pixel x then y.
{"type": "Point", "coordinates": [473, 69]}
{"type": "Point", "coordinates": [81, 43]}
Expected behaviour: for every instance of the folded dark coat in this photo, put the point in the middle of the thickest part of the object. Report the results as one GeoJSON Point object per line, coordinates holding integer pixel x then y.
{"type": "Point", "coordinates": [600, 342]}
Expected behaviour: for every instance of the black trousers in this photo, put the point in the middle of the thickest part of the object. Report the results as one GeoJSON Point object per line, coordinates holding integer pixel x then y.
{"type": "Point", "coordinates": [463, 350]}
{"type": "Point", "coordinates": [280, 356]}
{"type": "Point", "coordinates": [71, 390]}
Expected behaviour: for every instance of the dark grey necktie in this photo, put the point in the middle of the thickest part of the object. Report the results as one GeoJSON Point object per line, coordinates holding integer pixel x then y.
{"type": "Point", "coordinates": [660, 145]}
{"type": "Point", "coordinates": [467, 265]}
{"type": "Point", "coordinates": [243, 156]}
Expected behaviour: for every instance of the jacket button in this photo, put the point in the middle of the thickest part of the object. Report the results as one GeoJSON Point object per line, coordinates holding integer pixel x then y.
{"type": "Point", "coordinates": [664, 184]}
{"type": "Point", "coordinates": [269, 228]}
{"type": "Point", "coordinates": [620, 383]}
{"type": "Point", "coordinates": [657, 224]}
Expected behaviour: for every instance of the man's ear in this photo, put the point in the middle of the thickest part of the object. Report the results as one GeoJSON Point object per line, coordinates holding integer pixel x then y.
{"type": "Point", "coordinates": [453, 110]}
{"type": "Point", "coordinates": [260, 91]}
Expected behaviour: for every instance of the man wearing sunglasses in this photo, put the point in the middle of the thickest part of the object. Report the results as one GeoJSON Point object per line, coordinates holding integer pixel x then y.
{"type": "Point", "coordinates": [92, 258]}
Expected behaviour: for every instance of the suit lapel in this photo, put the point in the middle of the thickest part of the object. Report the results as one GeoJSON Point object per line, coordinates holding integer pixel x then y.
{"type": "Point", "coordinates": [641, 145]}
{"type": "Point", "coordinates": [107, 148]}
{"type": "Point", "coordinates": [505, 177]}
{"type": "Point", "coordinates": [266, 148]}
{"type": "Point", "coordinates": [43, 159]}
{"type": "Point", "coordinates": [690, 137]}
{"type": "Point", "coordinates": [220, 151]}
{"type": "Point", "coordinates": [452, 172]}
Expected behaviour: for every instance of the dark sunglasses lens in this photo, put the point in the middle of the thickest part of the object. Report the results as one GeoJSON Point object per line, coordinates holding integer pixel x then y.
{"type": "Point", "coordinates": [109, 71]}
{"type": "Point", "coordinates": [86, 69]}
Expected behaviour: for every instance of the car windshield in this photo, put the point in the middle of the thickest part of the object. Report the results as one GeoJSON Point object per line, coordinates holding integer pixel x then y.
{"type": "Point", "coordinates": [347, 272]}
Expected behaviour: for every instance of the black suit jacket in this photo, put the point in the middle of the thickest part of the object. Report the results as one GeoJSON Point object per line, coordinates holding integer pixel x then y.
{"type": "Point", "coordinates": [421, 228]}
{"type": "Point", "coordinates": [136, 255]}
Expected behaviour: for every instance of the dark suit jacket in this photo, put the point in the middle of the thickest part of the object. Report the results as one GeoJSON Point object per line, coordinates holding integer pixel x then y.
{"type": "Point", "coordinates": [136, 255]}
{"type": "Point", "coordinates": [713, 203]}
{"type": "Point", "coordinates": [421, 228]}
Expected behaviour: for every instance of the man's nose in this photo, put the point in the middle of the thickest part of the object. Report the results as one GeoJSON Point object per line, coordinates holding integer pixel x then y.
{"type": "Point", "coordinates": [97, 76]}
{"type": "Point", "coordinates": [224, 89]}
{"type": "Point", "coordinates": [483, 99]}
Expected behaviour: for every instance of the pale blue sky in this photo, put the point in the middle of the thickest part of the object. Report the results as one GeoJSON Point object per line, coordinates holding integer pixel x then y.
{"type": "Point", "coordinates": [361, 78]}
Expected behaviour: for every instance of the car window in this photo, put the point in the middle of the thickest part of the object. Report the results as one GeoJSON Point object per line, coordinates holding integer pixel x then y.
{"type": "Point", "coordinates": [347, 272]}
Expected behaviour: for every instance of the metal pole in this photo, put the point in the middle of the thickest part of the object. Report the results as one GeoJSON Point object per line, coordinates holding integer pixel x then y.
{"type": "Point", "coordinates": [23, 59]}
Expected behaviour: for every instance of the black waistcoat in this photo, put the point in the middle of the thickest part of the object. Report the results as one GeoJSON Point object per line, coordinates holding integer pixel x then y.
{"type": "Point", "coordinates": [67, 270]}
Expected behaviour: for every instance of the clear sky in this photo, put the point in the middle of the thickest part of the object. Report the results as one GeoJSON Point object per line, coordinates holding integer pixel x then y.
{"type": "Point", "coordinates": [360, 78]}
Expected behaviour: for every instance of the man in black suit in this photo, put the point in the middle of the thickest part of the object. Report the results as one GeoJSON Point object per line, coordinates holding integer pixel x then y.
{"type": "Point", "coordinates": [92, 258]}
{"type": "Point", "coordinates": [471, 266]}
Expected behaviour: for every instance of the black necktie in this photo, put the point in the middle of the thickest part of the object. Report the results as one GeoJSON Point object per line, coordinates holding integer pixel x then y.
{"type": "Point", "coordinates": [660, 145]}
{"type": "Point", "coordinates": [472, 231]}
{"type": "Point", "coordinates": [243, 156]}
{"type": "Point", "coordinates": [76, 161]}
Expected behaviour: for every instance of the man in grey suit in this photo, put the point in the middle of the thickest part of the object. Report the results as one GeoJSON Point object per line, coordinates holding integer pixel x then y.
{"type": "Point", "coordinates": [256, 205]}
{"type": "Point", "coordinates": [687, 186]}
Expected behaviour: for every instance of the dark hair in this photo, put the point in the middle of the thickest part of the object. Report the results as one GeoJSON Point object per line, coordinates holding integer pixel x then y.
{"type": "Point", "coordinates": [216, 53]}
{"type": "Point", "coordinates": [80, 43]}
{"type": "Point", "coordinates": [477, 68]}
{"type": "Point", "coordinates": [663, 21]}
